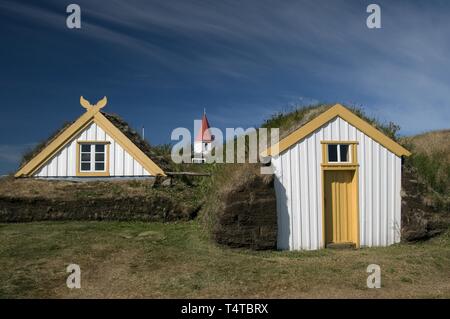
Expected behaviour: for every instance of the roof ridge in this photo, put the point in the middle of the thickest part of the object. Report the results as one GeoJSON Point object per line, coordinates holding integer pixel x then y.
{"type": "Point", "coordinates": [338, 110]}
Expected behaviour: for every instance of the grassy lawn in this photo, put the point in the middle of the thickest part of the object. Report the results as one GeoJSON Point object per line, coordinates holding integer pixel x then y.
{"type": "Point", "coordinates": [154, 260]}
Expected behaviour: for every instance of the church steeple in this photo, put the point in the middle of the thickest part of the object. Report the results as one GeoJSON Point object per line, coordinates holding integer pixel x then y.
{"type": "Point", "coordinates": [203, 140]}
{"type": "Point", "coordinates": [204, 134]}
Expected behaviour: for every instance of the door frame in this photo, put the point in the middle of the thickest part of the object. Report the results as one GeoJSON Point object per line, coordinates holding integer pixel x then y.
{"type": "Point", "coordinates": [352, 166]}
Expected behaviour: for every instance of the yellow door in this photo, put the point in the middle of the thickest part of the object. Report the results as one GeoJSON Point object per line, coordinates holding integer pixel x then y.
{"type": "Point", "coordinates": [340, 207]}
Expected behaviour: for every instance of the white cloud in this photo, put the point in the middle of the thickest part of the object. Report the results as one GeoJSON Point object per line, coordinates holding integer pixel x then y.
{"type": "Point", "coordinates": [399, 72]}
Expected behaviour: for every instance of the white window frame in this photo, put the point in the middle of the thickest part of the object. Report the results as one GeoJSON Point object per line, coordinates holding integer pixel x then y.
{"type": "Point", "coordinates": [92, 160]}
{"type": "Point", "coordinates": [349, 160]}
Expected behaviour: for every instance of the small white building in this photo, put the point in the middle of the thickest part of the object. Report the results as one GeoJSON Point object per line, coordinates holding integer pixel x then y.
{"type": "Point", "coordinates": [337, 181]}
{"type": "Point", "coordinates": [203, 142]}
{"type": "Point", "coordinates": [92, 146]}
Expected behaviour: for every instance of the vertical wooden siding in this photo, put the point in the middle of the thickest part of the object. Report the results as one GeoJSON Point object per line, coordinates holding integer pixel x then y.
{"type": "Point", "coordinates": [299, 189]}
{"type": "Point", "coordinates": [63, 164]}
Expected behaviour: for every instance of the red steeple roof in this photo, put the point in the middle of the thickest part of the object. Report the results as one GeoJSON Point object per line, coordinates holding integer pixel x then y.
{"type": "Point", "coordinates": [204, 135]}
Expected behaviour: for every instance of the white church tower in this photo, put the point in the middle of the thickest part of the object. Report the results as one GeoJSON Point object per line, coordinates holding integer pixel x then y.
{"type": "Point", "coordinates": [203, 140]}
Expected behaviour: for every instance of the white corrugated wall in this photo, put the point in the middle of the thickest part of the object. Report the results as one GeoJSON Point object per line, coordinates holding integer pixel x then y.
{"type": "Point", "coordinates": [298, 186]}
{"type": "Point", "coordinates": [63, 164]}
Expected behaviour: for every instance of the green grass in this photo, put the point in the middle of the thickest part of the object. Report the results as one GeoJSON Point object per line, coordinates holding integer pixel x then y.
{"type": "Point", "coordinates": [431, 160]}
{"type": "Point", "coordinates": [298, 116]}
{"type": "Point", "coordinates": [155, 260]}
{"type": "Point", "coordinates": [435, 173]}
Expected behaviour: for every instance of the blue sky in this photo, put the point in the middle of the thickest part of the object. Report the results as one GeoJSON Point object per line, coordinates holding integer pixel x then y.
{"type": "Point", "coordinates": [161, 62]}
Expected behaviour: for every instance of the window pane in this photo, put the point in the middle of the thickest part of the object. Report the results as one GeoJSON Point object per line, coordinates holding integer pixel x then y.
{"type": "Point", "coordinates": [85, 147]}
{"type": "Point", "coordinates": [332, 153]}
{"type": "Point", "coordinates": [85, 157]}
{"type": "Point", "coordinates": [344, 152]}
{"type": "Point", "coordinates": [85, 166]}
{"type": "Point", "coordinates": [99, 157]}
{"type": "Point", "coordinates": [100, 148]}
{"type": "Point", "coordinates": [99, 166]}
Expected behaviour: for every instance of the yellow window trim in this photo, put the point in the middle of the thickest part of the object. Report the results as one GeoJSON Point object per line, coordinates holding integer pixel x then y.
{"type": "Point", "coordinates": [345, 114]}
{"type": "Point", "coordinates": [339, 142]}
{"type": "Point", "coordinates": [352, 150]}
{"type": "Point", "coordinates": [91, 115]}
{"type": "Point", "coordinates": [338, 167]}
{"type": "Point", "coordinates": [93, 142]}
{"type": "Point", "coordinates": [92, 174]}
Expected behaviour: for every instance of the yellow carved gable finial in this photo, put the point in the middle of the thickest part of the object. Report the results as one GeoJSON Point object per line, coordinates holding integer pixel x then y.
{"type": "Point", "coordinates": [100, 104]}
{"type": "Point", "coordinates": [87, 105]}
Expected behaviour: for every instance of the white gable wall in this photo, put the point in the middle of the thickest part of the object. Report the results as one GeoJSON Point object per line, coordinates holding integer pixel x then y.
{"type": "Point", "coordinates": [63, 164]}
{"type": "Point", "coordinates": [298, 185]}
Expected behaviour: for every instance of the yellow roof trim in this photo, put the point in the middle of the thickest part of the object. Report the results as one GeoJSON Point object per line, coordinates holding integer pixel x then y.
{"type": "Point", "coordinates": [127, 145]}
{"type": "Point", "coordinates": [336, 111]}
{"type": "Point", "coordinates": [91, 115]}
{"type": "Point", "coordinates": [36, 162]}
